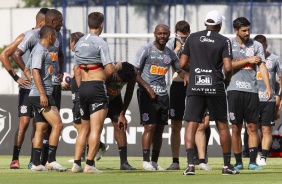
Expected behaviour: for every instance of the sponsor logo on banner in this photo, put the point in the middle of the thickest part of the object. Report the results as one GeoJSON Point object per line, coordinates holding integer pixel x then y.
{"type": "Point", "coordinates": [5, 124]}
{"type": "Point", "coordinates": [203, 80]}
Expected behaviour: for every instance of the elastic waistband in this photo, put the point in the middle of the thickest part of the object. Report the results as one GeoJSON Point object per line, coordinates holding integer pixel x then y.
{"type": "Point", "coordinates": [86, 68]}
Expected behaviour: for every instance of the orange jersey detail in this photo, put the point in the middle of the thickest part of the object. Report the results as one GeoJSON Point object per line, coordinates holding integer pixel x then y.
{"type": "Point", "coordinates": [248, 66]}
{"type": "Point", "coordinates": [54, 56]}
{"type": "Point", "coordinates": [158, 70]}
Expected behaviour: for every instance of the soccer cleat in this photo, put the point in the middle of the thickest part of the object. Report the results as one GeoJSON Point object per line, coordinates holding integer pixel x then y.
{"type": "Point", "coordinates": [29, 165]}
{"type": "Point", "coordinates": [91, 170]}
{"type": "Point", "coordinates": [156, 166]}
{"type": "Point", "coordinates": [205, 167]}
{"type": "Point", "coordinates": [55, 166]}
{"type": "Point", "coordinates": [227, 170]}
{"type": "Point", "coordinates": [147, 166]}
{"type": "Point", "coordinates": [190, 170]}
{"type": "Point", "coordinates": [254, 167]}
{"type": "Point", "coordinates": [76, 168]}
{"type": "Point", "coordinates": [38, 168]}
{"type": "Point", "coordinates": [15, 164]}
{"type": "Point", "coordinates": [126, 166]}
{"type": "Point", "coordinates": [261, 160]}
{"type": "Point", "coordinates": [238, 167]}
{"type": "Point", "coordinates": [101, 152]}
{"type": "Point", "coordinates": [173, 166]}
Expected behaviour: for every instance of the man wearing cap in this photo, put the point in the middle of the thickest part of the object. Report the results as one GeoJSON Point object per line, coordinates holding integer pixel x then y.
{"type": "Point", "coordinates": [242, 92]}
{"type": "Point", "coordinates": [207, 57]}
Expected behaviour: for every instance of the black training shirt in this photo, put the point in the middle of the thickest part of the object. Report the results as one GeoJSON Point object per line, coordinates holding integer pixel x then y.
{"type": "Point", "coordinates": [206, 50]}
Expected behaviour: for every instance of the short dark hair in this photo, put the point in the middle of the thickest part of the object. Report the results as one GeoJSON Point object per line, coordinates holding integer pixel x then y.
{"type": "Point", "coordinates": [260, 38]}
{"type": "Point", "coordinates": [127, 73]}
{"type": "Point", "coordinates": [44, 10]}
{"type": "Point", "coordinates": [182, 26]}
{"type": "Point", "coordinates": [46, 30]}
{"type": "Point", "coordinates": [76, 36]}
{"type": "Point", "coordinates": [240, 22]}
{"type": "Point", "coordinates": [95, 19]}
{"type": "Point", "coordinates": [51, 15]}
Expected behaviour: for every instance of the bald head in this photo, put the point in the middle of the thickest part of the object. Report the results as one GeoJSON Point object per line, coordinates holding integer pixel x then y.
{"type": "Point", "coordinates": [161, 26]}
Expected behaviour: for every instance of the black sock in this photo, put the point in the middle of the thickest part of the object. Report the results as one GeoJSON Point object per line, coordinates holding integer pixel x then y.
{"type": "Point", "coordinates": [155, 156]}
{"type": "Point", "coordinates": [90, 162]}
{"type": "Point", "coordinates": [253, 154]}
{"type": "Point", "coordinates": [226, 159]}
{"type": "Point", "coordinates": [202, 160]}
{"type": "Point", "coordinates": [44, 153]}
{"type": "Point", "coordinates": [146, 155]}
{"type": "Point", "coordinates": [238, 158]}
{"type": "Point", "coordinates": [36, 152]}
{"type": "Point", "coordinates": [190, 155]}
{"type": "Point", "coordinates": [175, 160]}
{"type": "Point", "coordinates": [264, 153]}
{"type": "Point", "coordinates": [31, 153]}
{"type": "Point", "coordinates": [123, 154]}
{"type": "Point", "coordinates": [52, 153]}
{"type": "Point", "coordinates": [101, 145]}
{"type": "Point", "coordinates": [16, 152]}
{"type": "Point", "coordinates": [78, 162]}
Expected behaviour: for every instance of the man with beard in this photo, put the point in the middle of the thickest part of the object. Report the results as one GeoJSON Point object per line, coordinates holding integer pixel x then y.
{"type": "Point", "coordinates": [242, 92]}
{"type": "Point", "coordinates": [152, 62]}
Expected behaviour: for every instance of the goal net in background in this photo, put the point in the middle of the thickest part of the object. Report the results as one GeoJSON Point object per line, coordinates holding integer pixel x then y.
{"type": "Point", "coordinates": [123, 47]}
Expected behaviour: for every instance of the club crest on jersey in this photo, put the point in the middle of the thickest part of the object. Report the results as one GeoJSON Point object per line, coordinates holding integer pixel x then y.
{"type": "Point", "coordinates": [268, 63]}
{"type": "Point", "coordinates": [57, 43]}
{"type": "Point", "coordinates": [23, 109]}
{"type": "Point", "coordinates": [167, 59]}
{"type": "Point", "coordinates": [145, 116]}
{"type": "Point", "coordinates": [250, 51]}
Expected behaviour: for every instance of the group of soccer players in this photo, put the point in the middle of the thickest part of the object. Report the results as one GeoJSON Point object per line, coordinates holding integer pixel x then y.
{"type": "Point", "coordinates": [206, 65]}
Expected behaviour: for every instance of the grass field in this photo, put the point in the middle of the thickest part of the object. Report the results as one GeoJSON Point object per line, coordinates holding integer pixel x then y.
{"type": "Point", "coordinates": [272, 173]}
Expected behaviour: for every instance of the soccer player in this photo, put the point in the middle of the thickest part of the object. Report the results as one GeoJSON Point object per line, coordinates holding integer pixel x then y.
{"type": "Point", "coordinates": [267, 108]}
{"type": "Point", "coordinates": [177, 93]}
{"type": "Point", "coordinates": [242, 92]}
{"type": "Point", "coordinates": [92, 66]}
{"type": "Point", "coordinates": [53, 18]}
{"type": "Point", "coordinates": [209, 54]}
{"type": "Point", "coordinates": [152, 62]}
{"type": "Point", "coordinates": [24, 106]}
{"type": "Point", "coordinates": [74, 37]}
{"type": "Point", "coordinates": [118, 107]}
{"type": "Point", "coordinates": [40, 97]}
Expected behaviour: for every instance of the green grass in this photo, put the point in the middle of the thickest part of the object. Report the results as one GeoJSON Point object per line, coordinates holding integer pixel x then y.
{"type": "Point", "coordinates": [110, 165]}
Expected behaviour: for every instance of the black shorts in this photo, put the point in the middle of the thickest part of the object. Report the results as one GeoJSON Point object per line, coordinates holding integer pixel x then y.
{"type": "Point", "coordinates": [24, 106]}
{"type": "Point", "coordinates": [57, 95]}
{"type": "Point", "coordinates": [196, 107]}
{"type": "Point", "coordinates": [243, 106]}
{"type": "Point", "coordinates": [153, 112]}
{"type": "Point", "coordinates": [177, 97]}
{"type": "Point", "coordinates": [93, 97]}
{"type": "Point", "coordinates": [76, 112]}
{"type": "Point", "coordinates": [115, 107]}
{"type": "Point", "coordinates": [267, 113]}
{"type": "Point", "coordinates": [35, 101]}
